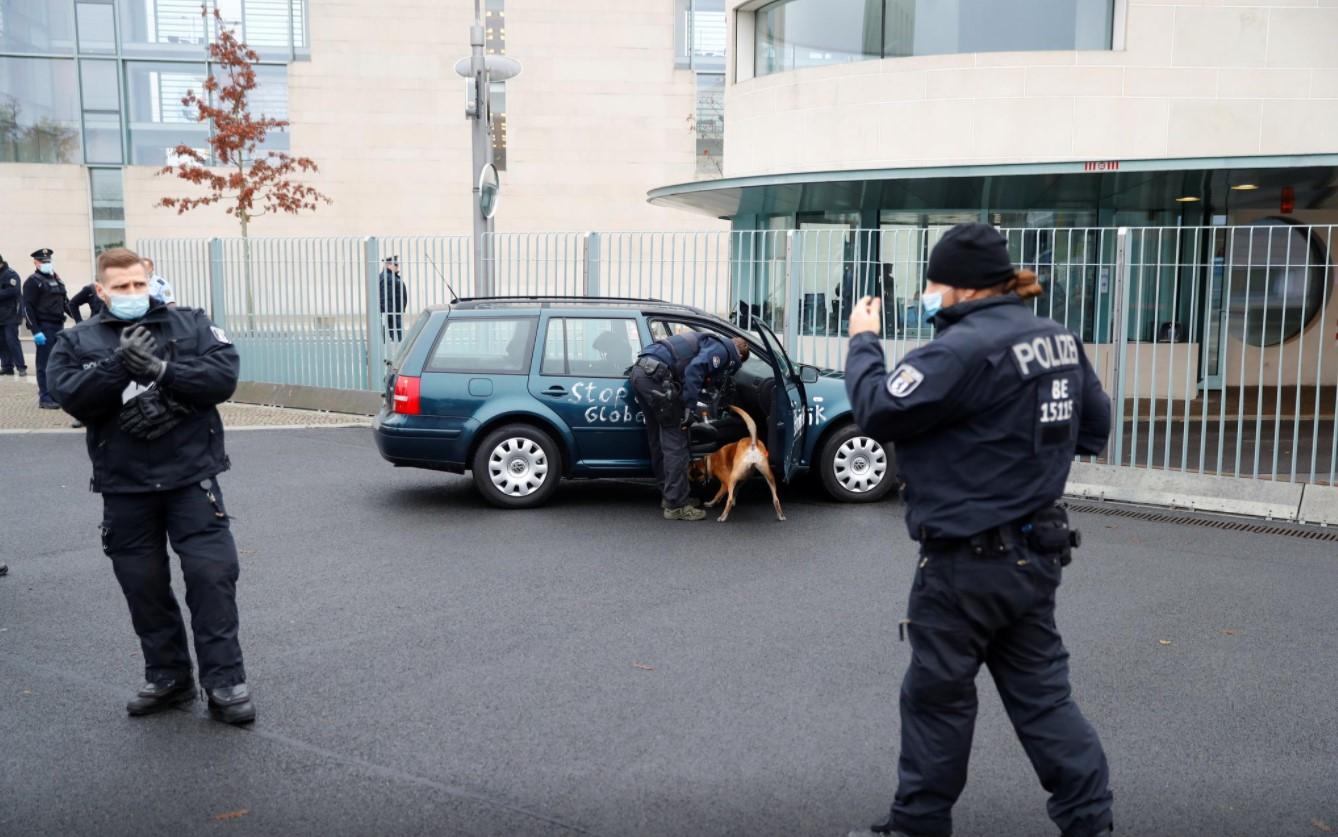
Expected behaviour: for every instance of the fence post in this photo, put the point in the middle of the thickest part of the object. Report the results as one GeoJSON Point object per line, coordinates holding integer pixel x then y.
{"type": "Point", "coordinates": [1119, 312]}
{"type": "Point", "coordinates": [793, 293]}
{"type": "Point", "coordinates": [590, 258]}
{"type": "Point", "coordinates": [217, 284]}
{"type": "Point", "coordinates": [376, 338]}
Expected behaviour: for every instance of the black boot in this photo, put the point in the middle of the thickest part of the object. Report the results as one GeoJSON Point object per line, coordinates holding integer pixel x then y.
{"type": "Point", "coordinates": [155, 697]}
{"type": "Point", "coordinates": [232, 704]}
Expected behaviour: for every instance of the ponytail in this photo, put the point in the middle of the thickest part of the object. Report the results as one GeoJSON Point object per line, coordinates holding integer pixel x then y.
{"type": "Point", "coordinates": [1024, 284]}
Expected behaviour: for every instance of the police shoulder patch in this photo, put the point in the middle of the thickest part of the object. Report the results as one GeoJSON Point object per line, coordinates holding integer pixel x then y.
{"type": "Point", "coordinates": [219, 335]}
{"type": "Point", "coordinates": [715, 361]}
{"type": "Point", "coordinates": [904, 380]}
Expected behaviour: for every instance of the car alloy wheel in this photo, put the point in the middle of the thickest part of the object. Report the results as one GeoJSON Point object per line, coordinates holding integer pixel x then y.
{"type": "Point", "coordinates": [518, 467]}
{"type": "Point", "coordinates": [860, 464]}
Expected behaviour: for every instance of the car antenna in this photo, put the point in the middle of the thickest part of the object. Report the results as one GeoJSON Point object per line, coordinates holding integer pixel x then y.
{"type": "Point", "coordinates": [455, 297]}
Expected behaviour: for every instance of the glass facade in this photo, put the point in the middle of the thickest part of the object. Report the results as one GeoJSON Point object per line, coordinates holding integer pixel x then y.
{"type": "Point", "coordinates": [38, 119]}
{"type": "Point", "coordinates": [699, 45]}
{"type": "Point", "coordinates": [36, 26]}
{"type": "Point", "coordinates": [793, 34]}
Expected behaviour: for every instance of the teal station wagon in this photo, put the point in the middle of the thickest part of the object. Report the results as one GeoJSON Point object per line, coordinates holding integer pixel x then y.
{"type": "Point", "coordinates": [526, 391]}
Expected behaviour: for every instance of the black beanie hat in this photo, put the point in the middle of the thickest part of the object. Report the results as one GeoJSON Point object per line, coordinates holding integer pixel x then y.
{"type": "Point", "coordinates": [971, 256]}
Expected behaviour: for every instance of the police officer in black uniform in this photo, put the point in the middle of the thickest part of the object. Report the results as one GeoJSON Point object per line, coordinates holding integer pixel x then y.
{"type": "Point", "coordinates": [668, 377]}
{"type": "Point", "coordinates": [394, 297]}
{"type": "Point", "coordinates": [11, 313]}
{"type": "Point", "coordinates": [145, 378]}
{"type": "Point", "coordinates": [88, 295]}
{"type": "Point", "coordinates": [986, 419]}
{"type": "Point", "coordinates": [45, 304]}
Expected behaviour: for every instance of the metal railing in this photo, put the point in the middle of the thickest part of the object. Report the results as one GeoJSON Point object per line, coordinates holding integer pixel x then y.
{"type": "Point", "coordinates": [1217, 344]}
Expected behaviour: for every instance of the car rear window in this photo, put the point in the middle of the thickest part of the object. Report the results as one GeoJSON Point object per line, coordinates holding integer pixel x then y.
{"type": "Point", "coordinates": [412, 337]}
{"type": "Point", "coordinates": [499, 345]}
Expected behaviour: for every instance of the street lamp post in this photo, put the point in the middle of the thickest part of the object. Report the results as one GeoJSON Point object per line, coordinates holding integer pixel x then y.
{"type": "Point", "coordinates": [482, 141]}
{"type": "Point", "coordinates": [482, 70]}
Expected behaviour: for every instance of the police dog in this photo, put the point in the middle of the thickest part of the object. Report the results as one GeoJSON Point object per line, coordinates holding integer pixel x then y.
{"type": "Point", "coordinates": [731, 464]}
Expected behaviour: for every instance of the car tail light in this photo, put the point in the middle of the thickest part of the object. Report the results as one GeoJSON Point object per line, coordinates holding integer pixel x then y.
{"type": "Point", "coordinates": [406, 398]}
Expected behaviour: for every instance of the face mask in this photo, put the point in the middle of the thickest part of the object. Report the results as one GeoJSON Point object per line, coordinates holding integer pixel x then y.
{"type": "Point", "coordinates": [45, 267]}
{"type": "Point", "coordinates": [128, 306]}
{"type": "Point", "coordinates": [931, 303]}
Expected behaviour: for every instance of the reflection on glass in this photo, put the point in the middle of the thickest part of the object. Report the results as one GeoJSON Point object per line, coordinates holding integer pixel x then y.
{"type": "Point", "coordinates": [36, 26]}
{"type": "Point", "coordinates": [102, 137]}
{"type": "Point", "coordinates": [97, 27]}
{"type": "Point", "coordinates": [105, 238]}
{"type": "Point", "coordinates": [38, 123]}
{"type": "Point", "coordinates": [159, 122]}
{"type": "Point", "coordinates": [1276, 281]}
{"type": "Point", "coordinates": [162, 27]}
{"type": "Point", "coordinates": [108, 194]}
{"type": "Point", "coordinates": [710, 124]}
{"type": "Point", "coordinates": [794, 34]}
{"type": "Point", "coordinates": [98, 82]}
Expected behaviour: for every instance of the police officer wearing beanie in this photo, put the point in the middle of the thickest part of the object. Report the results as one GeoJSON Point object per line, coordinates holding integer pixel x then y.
{"type": "Point", "coordinates": [668, 377]}
{"type": "Point", "coordinates": [45, 304]}
{"type": "Point", "coordinates": [986, 419]}
{"type": "Point", "coordinates": [11, 314]}
{"type": "Point", "coordinates": [146, 378]}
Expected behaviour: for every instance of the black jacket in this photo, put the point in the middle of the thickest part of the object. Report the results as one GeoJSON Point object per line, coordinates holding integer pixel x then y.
{"type": "Point", "coordinates": [87, 378]}
{"type": "Point", "coordinates": [45, 300]}
{"type": "Point", "coordinates": [697, 359]}
{"type": "Point", "coordinates": [88, 296]}
{"type": "Point", "coordinates": [11, 295]}
{"type": "Point", "coordinates": [394, 293]}
{"type": "Point", "coordinates": [986, 417]}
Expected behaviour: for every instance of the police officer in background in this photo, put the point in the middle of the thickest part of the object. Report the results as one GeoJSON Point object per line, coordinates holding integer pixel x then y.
{"type": "Point", "coordinates": [145, 378]}
{"type": "Point", "coordinates": [11, 312]}
{"type": "Point", "coordinates": [394, 297]}
{"type": "Point", "coordinates": [986, 419]}
{"type": "Point", "coordinates": [45, 304]}
{"type": "Point", "coordinates": [668, 377]}
{"type": "Point", "coordinates": [88, 295]}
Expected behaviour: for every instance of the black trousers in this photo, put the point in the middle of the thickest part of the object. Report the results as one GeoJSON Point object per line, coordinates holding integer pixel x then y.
{"type": "Point", "coordinates": [997, 609]}
{"type": "Point", "coordinates": [668, 442]}
{"type": "Point", "coordinates": [395, 326]}
{"type": "Point", "coordinates": [135, 531]}
{"type": "Point", "coordinates": [51, 330]}
{"type": "Point", "coordinates": [11, 350]}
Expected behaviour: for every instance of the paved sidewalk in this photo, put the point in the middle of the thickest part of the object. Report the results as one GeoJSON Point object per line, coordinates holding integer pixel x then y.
{"type": "Point", "coordinates": [19, 412]}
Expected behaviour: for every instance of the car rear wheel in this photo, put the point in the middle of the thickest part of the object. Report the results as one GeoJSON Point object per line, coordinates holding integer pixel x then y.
{"type": "Point", "coordinates": [856, 468]}
{"type": "Point", "coordinates": [517, 467]}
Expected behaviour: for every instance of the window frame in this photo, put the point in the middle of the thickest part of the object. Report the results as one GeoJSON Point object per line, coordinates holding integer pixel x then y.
{"type": "Point", "coordinates": [429, 363]}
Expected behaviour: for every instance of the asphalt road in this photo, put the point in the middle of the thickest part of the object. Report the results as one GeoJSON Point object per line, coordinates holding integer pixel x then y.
{"type": "Point", "coordinates": [424, 664]}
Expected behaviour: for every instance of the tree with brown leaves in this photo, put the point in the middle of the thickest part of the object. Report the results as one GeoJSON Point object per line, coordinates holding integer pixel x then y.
{"type": "Point", "coordinates": [256, 182]}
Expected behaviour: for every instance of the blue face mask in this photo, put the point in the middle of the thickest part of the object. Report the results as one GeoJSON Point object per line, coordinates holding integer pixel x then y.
{"type": "Point", "coordinates": [931, 303]}
{"type": "Point", "coordinates": [45, 267]}
{"type": "Point", "coordinates": [128, 306]}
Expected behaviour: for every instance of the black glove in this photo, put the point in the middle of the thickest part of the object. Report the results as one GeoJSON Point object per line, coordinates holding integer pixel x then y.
{"type": "Point", "coordinates": [690, 417]}
{"type": "Point", "coordinates": [137, 353]}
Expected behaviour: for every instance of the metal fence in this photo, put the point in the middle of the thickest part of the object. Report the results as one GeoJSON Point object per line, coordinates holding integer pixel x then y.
{"type": "Point", "coordinates": [1217, 344]}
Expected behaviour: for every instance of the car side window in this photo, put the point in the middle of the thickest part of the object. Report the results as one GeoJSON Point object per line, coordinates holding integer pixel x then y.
{"type": "Point", "coordinates": [590, 347]}
{"type": "Point", "coordinates": [484, 345]}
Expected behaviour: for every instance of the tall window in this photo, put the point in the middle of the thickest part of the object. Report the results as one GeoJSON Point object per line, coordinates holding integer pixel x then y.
{"type": "Point", "coordinates": [38, 120]}
{"type": "Point", "coordinates": [710, 124]}
{"type": "Point", "coordinates": [699, 34]}
{"type": "Point", "coordinates": [792, 34]}
{"type": "Point", "coordinates": [108, 198]}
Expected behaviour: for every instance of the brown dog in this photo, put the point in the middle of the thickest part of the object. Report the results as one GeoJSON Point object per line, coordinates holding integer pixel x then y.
{"type": "Point", "coordinates": [731, 464]}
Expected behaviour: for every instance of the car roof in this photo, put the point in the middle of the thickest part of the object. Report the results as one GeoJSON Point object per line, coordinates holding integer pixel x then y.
{"type": "Point", "coordinates": [535, 303]}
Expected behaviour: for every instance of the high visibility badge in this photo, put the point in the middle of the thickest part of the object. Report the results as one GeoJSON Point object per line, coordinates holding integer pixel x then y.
{"type": "Point", "coordinates": [903, 380]}
{"type": "Point", "coordinates": [219, 335]}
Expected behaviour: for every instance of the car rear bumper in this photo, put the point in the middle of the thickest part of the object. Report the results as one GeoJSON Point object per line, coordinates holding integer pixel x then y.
{"type": "Point", "coordinates": [421, 441]}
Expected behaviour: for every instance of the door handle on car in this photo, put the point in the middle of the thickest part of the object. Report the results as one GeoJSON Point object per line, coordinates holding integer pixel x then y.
{"type": "Point", "coordinates": [556, 390]}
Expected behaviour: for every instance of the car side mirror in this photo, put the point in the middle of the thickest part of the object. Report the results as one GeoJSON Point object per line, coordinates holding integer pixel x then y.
{"type": "Point", "coordinates": [808, 374]}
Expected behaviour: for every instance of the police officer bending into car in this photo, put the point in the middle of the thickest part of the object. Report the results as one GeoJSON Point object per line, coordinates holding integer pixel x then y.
{"type": "Point", "coordinates": [986, 419]}
{"type": "Point", "coordinates": [145, 378]}
{"type": "Point", "coordinates": [668, 377]}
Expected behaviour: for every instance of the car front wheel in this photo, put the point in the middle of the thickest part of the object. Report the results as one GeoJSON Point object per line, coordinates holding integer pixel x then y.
{"type": "Point", "coordinates": [856, 468]}
{"type": "Point", "coordinates": [517, 467]}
